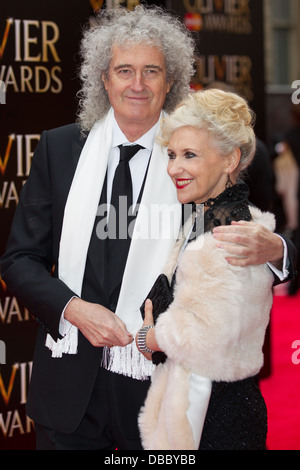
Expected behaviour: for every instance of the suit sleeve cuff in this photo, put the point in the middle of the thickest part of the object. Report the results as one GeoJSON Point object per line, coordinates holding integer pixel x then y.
{"type": "Point", "coordinates": [65, 325]}
{"type": "Point", "coordinates": [284, 273]}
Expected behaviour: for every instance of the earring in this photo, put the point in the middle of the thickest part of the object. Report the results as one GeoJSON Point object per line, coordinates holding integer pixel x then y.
{"type": "Point", "coordinates": [229, 183]}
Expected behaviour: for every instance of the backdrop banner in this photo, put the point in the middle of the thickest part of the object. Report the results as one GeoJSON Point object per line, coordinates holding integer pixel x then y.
{"type": "Point", "coordinates": [230, 40]}
{"type": "Point", "coordinates": [38, 73]}
{"type": "Point", "coordinates": [38, 85]}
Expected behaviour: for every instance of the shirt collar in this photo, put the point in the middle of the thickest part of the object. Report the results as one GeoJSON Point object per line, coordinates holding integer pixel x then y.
{"type": "Point", "coordinates": [146, 140]}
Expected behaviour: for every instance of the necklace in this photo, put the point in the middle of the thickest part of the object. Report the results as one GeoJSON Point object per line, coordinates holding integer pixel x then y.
{"type": "Point", "coordinates": [236, 193]}
{"type": "Point", "coordinates": [231, 204]}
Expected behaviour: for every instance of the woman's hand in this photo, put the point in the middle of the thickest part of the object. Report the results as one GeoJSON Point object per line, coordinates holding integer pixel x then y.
{"type": "Point", "coordinates": [148, 320]}
{"type": "Point", "coordinates": [150, 338]}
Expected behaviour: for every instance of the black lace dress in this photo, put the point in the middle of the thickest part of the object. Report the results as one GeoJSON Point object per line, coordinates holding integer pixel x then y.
{"type": "Point", "coordinates": [237, 417]}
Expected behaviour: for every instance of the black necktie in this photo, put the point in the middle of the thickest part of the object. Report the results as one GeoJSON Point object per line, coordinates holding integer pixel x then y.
{"type": "Point", "coordinates": [121, 195]}
{"type": "Point", "coordinates": [121, 201]}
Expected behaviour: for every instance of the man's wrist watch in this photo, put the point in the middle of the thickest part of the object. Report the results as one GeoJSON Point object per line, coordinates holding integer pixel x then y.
{"type": "Point", "coordinates": [141, 339]}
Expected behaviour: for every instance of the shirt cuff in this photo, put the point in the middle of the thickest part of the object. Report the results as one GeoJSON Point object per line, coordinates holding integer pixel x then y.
{"type": "Point", "coordinates": [282, 275]}
{"type": "Point", "coordinates": [65, 325]}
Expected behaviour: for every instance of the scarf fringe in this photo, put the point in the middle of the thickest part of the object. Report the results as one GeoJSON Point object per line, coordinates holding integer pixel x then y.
{"type": "Point", "coordinates": [66, 345]}
{"type": "Point", "coordinates": [127, 361]}
{"type": "Point", "coordinates": [79, 217]}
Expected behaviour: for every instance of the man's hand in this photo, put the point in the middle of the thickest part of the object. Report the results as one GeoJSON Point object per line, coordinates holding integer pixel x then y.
{"type": "Point", "coordinates": [98, 324]}
{"type": "Point", "coordinates": [250, 244]}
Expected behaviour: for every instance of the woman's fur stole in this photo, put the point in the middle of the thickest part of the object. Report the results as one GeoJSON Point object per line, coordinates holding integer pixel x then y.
{"type": "Point", "coordinates": [215, 328]}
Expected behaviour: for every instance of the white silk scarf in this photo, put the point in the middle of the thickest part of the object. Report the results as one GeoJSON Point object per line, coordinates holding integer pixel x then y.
{"type": "Point", "coordinates": [156, 229]}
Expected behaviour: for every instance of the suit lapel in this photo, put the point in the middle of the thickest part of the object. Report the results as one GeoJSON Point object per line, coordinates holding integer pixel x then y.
{"type": "Point", "coordinates": [77, 146]}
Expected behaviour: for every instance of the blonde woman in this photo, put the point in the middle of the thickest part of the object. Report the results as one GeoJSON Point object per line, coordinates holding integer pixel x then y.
{"type": "Point", "coordinates": [205, 394]}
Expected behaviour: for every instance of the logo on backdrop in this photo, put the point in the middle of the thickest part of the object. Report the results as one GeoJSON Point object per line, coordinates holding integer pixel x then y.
{"type": "Point", "coordinates": [235, 70]}
{"type": "Point", "coordinates": [2, 352]}
{"type": "Point", "coordinates": [17, 157]}
{"type": "Point", "coordinates": [129, 4]}
{"type": "Point", "coordinates": [226, 16]}
{"type": "Point", "coordinates": [2, 92]}
{"type": "Point", "coordinates": [13, 391]}
{"type": "Point", "coordinates": [29, 56]}
{"type": "Point", "coordinates": [96, 4]}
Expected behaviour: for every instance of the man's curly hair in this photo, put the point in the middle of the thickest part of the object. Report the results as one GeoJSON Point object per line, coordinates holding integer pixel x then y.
{"type": "Point", "coordinates": [144, 25]}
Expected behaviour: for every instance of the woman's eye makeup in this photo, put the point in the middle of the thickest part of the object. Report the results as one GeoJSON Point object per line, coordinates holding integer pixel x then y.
{"type": "Point", "coordinates": [190, 155]}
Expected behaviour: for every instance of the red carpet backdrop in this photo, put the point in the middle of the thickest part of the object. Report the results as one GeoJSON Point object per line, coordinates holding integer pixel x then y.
{"type": "Point", "coordinates": [38, 78]}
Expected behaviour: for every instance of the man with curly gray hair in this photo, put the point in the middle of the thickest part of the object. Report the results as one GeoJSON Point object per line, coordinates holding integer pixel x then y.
{"type": "Point", "coordinates": [121, 28]}
{"type": "Point", "coordinates": [89, 380]}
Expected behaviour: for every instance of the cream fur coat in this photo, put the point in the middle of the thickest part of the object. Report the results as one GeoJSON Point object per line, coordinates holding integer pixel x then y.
{"type": "Point", "coordinates": [214, 330]}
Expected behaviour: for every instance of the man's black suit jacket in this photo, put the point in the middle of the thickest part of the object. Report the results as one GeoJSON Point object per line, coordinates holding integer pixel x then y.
{"type": "Point", "coordinates": [60, 388]}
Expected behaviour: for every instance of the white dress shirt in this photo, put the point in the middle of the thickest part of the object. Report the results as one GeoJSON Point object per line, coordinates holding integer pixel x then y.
{"type": "Point", "coordinates": [138, 166]}
{"type": "Point", "coordinates": [138, 163]}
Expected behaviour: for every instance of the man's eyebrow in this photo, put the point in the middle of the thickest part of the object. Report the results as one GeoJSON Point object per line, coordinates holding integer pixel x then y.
{"type": "Point", "coordinates": [150, 66]}
{"type": "Point", "coordinates": [121, 66]}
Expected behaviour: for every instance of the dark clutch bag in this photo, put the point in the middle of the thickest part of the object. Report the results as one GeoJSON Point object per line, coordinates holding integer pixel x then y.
{"type": "Point", "coordinates": [161, 295]}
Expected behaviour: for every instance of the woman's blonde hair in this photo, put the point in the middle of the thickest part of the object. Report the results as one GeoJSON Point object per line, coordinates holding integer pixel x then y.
{"type": "Point", "coordinates": [224, 115]}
